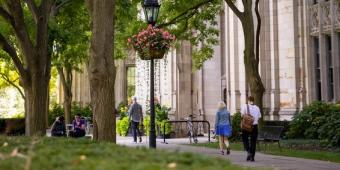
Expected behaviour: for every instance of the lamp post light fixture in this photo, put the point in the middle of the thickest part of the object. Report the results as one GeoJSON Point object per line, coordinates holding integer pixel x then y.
{"type": "Point", "coordinates": [151, 9]}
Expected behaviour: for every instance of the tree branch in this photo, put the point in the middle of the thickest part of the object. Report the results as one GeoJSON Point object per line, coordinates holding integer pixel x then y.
{"type": "Point", "coordinates": [62, 4]}
{"type": "Point", "coordinates": [232, 6]}
{"type": "Point", "coordinates": [33, 7]}
{"type": "Point", "coordinates": [56, 7]}
{"type": "Point", "coordinates": [7, 79]}
{"type": "Point", "coordinates": [258, 31]}
{"type": "Point", "coordinates": [6, 16]}
{"type": "Point", "coordinates": [185, 13]}
{"type": "Point", "coordinates": [4, 44]}
{"type": "Point", "coordinates": [20, 29]}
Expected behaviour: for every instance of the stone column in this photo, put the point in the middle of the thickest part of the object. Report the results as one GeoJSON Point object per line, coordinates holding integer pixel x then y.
{"type": "Point", "coordinates": [120, 82]}
{"type": "Point", "coordinates": [313, 26]}
{"type": "Point", "coordinates": [173, 64]}
{"type": "Point", "coordinates": [227, 56]}
{"type": "Point", "coordinates": [184, 71]}
{"type": "Point", "coordinates": [234, 61]}
{"type": "Point", "coordinates": [287, 58]}
{"type": "Point", "coordinates": [274, 89]}
{"type": "Point", "coordinates": [323, 57]}
{"type": "Point", "coordinates": [335, 13]}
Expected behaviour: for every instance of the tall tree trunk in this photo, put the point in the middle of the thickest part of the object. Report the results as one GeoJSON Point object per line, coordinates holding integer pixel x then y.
{"type": "Point", "coordinates": [66, 82]}
{"type": "Point", "coordinates": [47, 106]}
{"type": "Point", "coordinates": [250, 62]}
{"type": "Point", "coordinates": [67, 107]}
{"type": "Point", "coordinates": [101, 69]}
{"type": "Point", "coordinates": [35, 66]}
{"type": "Point", "coordinates": [35, 105]}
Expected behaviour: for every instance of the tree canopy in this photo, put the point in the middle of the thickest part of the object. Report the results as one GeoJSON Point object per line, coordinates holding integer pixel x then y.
{"type": "Point", "coordinates": [195, 21]}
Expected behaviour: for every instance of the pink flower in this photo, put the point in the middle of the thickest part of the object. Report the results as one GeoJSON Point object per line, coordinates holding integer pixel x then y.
{"type": "Point", "coordinates": [151, 38]}
{"type": "Point", "coordinates": [150, 27]}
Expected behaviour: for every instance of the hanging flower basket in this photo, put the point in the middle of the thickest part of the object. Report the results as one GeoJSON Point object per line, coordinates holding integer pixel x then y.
{"type": "Point", "coordinates": [151, 43]}
{"type": "Point", "coordinates": [153, 54]}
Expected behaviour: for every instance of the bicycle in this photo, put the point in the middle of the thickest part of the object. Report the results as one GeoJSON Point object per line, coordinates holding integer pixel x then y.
{"type": "Point", "coordinates": [192, 134]}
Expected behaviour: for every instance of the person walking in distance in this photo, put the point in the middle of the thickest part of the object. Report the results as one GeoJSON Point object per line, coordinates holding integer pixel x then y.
{"type": "Point", "coordinates": [223, 127]}
{"type": "Point", "coordinates": [135, 116]}
{"type": "Point", "coordinates": [254, 111]}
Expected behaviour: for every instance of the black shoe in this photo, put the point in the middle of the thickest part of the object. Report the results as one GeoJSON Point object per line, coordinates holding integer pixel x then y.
{"type": "Point", "coordinates": [140, 139]}
{"type": "Point", "coordinates": [249, 157]}
{"type": "Point", "coordinates": [252, 159]}
{"type": "Point", "coordinates": [228, 151]}
{"type": "Point", "coordinates": [222, 152]}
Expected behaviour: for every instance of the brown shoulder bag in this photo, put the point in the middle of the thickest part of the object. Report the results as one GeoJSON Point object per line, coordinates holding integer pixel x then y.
{"type": "Point", "coordinates": [247, 121]}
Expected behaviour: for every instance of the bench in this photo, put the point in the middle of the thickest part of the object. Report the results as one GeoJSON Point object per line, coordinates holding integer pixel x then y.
{"type": "Point", "coordinates": [270, 134]}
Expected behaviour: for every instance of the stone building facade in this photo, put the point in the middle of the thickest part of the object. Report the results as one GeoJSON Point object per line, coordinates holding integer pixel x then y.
{"type": "Point", "coordinates": [299, 63]}
{"type": "Point", "coordinates": [299, 58]}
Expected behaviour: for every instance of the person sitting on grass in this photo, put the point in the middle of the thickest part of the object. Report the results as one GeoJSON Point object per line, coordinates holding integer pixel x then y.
{"type": "Point", "coordinates": [78, 127]}
{"type": "Point", "coordinates": [58, 127]}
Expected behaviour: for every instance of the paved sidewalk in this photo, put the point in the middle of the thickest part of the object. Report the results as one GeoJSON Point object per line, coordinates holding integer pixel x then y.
{"type": "Point", "coordinates": [237, 157]}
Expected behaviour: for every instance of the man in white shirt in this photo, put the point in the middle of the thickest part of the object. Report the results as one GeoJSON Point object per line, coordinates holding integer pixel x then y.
{"type": "Point", "coordinates": [255, 112]}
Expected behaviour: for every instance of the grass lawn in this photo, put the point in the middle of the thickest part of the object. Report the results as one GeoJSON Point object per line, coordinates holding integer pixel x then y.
{"type": "Point", "coordinates": [83, 154]}
{"type": "Point", "coordinates": [274, 150]}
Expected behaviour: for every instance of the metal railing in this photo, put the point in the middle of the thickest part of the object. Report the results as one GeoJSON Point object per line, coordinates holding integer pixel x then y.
{"type": "Point", "coordinates": [186, 121]}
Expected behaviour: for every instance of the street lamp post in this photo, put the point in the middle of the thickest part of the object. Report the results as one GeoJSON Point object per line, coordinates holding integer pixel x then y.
{"type": "Point", "coordinates": [151, 9]}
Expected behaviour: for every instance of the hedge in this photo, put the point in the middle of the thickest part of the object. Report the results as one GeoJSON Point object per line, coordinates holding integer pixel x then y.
{"type": "Point", "coordinates": [319, 120]}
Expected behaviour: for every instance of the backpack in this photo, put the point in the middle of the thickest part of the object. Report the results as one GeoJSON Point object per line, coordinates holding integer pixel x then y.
{"type": "Point", "coordinates": [247, 121]}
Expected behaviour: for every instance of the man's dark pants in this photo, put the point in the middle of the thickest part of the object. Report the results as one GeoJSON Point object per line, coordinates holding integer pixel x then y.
{"type": "Point", "coordinates": [253, 137]}
{"type": "Point", "coordinates": [135, 130]}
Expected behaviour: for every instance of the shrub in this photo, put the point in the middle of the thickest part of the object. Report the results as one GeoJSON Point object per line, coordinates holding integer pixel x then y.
{"type": "Point", "coordinates": [161, 118]}
{"type": "Point", "coordinates": [56, 111]}
{"type": "Point", "coordinates": [168, 127]}
{"type": "Point", "coordinates": [122, 126]}
{"type": "Point", "coordinates": [122, 110]}
{"type": "Point", "coordinates": [305, 123]}
{"type": "Point", "coordinates": [161, 113]}
{"type": "Point", "coordinates": [2, 125]}
{"type": "Point", "coordinates": [329, 132]}
{"type": "Point", "coordinates": [235, 122]}
{"type": "Point", "coordinates": [19, 116]}
{"type": "Point", "coordinates": [85, 111]}
{"type": "Point", "coordinates": [15, 126]}
{"type": "Point", "coordinates": [318, 120]}
{"type": "Point", "coordinates": [146, 123]}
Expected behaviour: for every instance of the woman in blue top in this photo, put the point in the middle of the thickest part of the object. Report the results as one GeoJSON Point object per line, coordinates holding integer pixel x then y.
{"type": "Point", "coordinates": [223, 126]}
